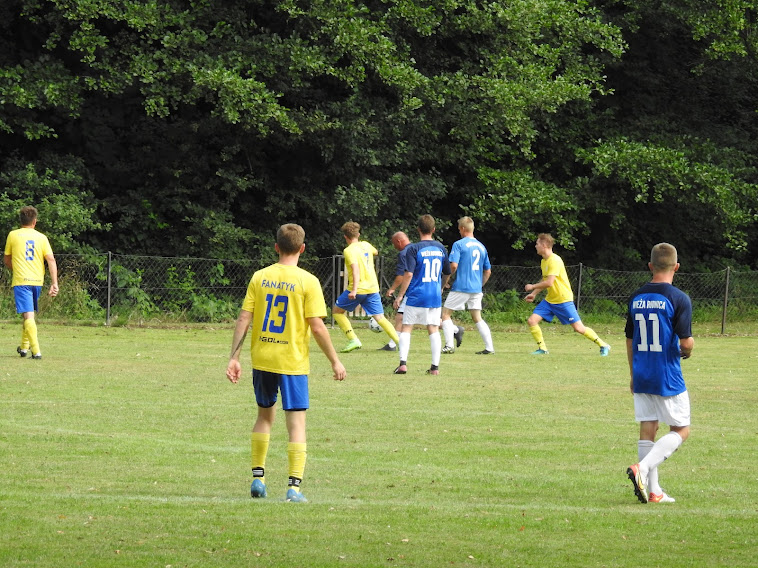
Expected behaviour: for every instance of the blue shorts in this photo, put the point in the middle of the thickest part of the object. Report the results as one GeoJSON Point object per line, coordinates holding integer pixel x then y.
{"type": "Point", "coordinates": [294, 390]}
{"type": "Point", "coordinates": [565, 312]}
{"type": "Point", "coordinates": [26, 298]}
{"type": "Point", "coordinates": [371, 303]}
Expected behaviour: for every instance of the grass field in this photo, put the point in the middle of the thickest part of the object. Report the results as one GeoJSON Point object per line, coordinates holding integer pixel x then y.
{"type": "Point", "coordinates": [128, 447]}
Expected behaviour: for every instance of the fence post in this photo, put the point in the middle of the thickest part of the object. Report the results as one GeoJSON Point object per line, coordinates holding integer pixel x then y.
{"type": "Point", "coordinates": [726, 301]}
{"type": "Point", "coordinates": [108, 286]}
{"type": "Point", "coordinates": [579, 287]}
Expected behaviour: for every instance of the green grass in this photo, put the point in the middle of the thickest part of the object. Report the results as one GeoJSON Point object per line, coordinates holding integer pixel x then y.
{"type": "Point", "coordinates": [128, 447]}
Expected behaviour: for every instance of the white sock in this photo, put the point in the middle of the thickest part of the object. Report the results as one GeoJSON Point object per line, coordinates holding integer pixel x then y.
{"type": "Point", "coordinates": [436, 342]}
{"type": "Point", "coordinates": [660, 452]}
{"type": "Point", "coordinates": [405, 345]}
{"type": "Point", "coordinates": [392, 343]}
{"type": "Point", "coordinates": [643, 449]}
{"type": "Point", "coordinates": [484, 331]}
{"type": "Point", "coordinates": [449, 330]}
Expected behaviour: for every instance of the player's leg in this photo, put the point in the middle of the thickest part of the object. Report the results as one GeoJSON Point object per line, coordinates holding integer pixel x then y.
{"type": "Point", "coordinates": [587, 332]}
{"type": "Point", "coordinates": [448, 330]}
{"type": "Point", "coordinates": [534, 328]}
{"type": "Point", "coordinates": [266, 386]}
{"type": "Point", "coordinates": [296, 454]}
{"type": "Point", "coordinates": [342, 305]}
{"type": "Point", "coordinates": [295, 401]}
{"type": "Point", "coordinates": [372, 304]}
{"type": "Point", "coordinates": [404, 347]}
{"type": "Point", "coordinates": [433, 320]}
{"type": "Point", "coordinates": [30, 330]}
{"type": "Point", "coordinates": [475, 309]}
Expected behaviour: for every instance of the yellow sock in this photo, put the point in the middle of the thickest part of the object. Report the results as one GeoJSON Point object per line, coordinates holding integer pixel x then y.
{"type": "Point", "coordinates": [536, 332]}
{"type": "Point", "coordinates": [345, 326]}
{"type": "Point", "coordinates": [388, 329]}
{"type": "Point", "coordinates": [24, 339]}
{"type": "Point", "coordinates": [590, 334]}
{"type": "Point", "coordinates": [30, 329]}
{"type": "Point", "coordinates": [296, 459]}
{"type": "Point", "coordinates": [259, 443]}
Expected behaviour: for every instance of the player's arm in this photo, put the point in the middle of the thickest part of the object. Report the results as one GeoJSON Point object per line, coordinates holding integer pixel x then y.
{"type": "Point", "coordinates": [395, 285]}
{"type": "Point", "coordinates": [324, 341]}
{"type": "Point", "coordinates": [486, 275]}
{"type": "Point", "coordinates": [234, 369]}
{"type": "Point", "coordinates": [52, 266]}
{"type": "Point", "coordinates": [630, 358]}
{"type": "Point", "coordinates": [446, 281]}
{"type": "Point", "coordinates": [356, 270]}
{"type": "Point", "coordinates": [685, 347]}
{"type": "Point", "coordinates": [536, 288]}
{"type": "Point", "coordinates": [8, 260]}
{"type": "Point", "coordinates": [403, 288]}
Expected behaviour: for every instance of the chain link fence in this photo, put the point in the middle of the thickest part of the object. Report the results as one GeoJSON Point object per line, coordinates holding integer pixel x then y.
{"type": "Point", "coordinates": [138, 289]}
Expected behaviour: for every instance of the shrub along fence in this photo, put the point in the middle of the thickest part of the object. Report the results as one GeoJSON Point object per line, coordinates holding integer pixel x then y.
{"type": "Point", "coordinates": [137, 289]}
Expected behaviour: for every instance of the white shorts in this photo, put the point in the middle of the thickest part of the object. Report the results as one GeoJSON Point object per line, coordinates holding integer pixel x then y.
{"type": "Point", "coordinates": [422, 316]}
{"type": "Point", "coordinates": [457, 301]}
{"type": "Point", "coordinates": [672, 410]}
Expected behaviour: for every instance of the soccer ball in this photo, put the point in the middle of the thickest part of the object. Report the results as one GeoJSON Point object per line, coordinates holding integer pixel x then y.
{"type": "Point", "coordinates": [374, 326]}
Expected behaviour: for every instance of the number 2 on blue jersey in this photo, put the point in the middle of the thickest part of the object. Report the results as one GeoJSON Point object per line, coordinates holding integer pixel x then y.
{"type": "Point", "coordinates": [275, 321]}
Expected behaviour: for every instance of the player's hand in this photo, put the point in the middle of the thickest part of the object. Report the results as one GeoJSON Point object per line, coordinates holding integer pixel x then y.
{"type": "Point", "coordinates": [234, 371]}
{"type": "Point", "coordinates": [53, 290]}
{"type": "Point", "coordinates": [339, 371]}
{"type": "Point", "coordinates": [352, 295]}
{"type": "Point", "coordinates": [528, 287]}
{"type": "Point", "coordinates": [390, 293]}
{"type": "Point", "coordinates": [529, 297]}
{"type": "Point", "coordinates": [396, 303]}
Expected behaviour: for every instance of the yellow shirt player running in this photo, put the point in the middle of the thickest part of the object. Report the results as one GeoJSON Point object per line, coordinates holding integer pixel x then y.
{"type": "Point", "coordinates": [284, 304]}
{"type": "Point", "coordinates": [363, 287]}
{"type": "Point", "coordinates": [26, 251]}
{"type": "Point", "coordinates": [559, 300]}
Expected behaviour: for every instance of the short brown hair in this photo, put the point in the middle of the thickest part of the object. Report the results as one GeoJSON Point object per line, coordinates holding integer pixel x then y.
{"type": "Point", "coordinates": [547, 239]}
{"type": "Point", "coordinates": [426, 224]}
{"type": "Point", "coordinates": [663, 257]}
{"type": "Point", "coordinates": [351, 229]}
{"type": "Point", "coordinates": [27, 215]}
{"type": "Point", "coordinates": [289, 238]}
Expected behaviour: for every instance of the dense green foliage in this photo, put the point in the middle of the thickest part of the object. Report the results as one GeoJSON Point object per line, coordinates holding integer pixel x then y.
{"type": "Point", "coordinates": [173, 127]}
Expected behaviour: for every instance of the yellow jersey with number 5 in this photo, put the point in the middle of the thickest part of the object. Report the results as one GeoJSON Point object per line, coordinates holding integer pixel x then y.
{"type": "Point", "coordinates": [560, 291]}
{"type": "Point", "coordinates": [281, 299]}
{"type": "Point", "coordinates": [28, 249]}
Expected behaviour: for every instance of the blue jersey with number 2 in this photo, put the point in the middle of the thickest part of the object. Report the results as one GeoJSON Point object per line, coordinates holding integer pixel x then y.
{"type": "Point", "coordinates": [659, 314]}
{"type": "Point", "coordinates": [427, 260]}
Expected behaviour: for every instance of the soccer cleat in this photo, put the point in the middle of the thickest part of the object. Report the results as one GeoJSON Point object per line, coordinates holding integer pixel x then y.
{"type": "Point", "coordinates": [294, 496]}
{"type": "Point", "coordinates": [540, 352]}
{"type": "Point", "coordinates": [400, 370]}
{"type": "Point", "coordinates": [485, 352]}
{"type": "Point", "coordinates": [635, 476]}
{"type": "Point", "coordinates": [37, 356]}
{"type": "Point", "coordinates": [387, 347]}
{"type": "Point", "coordinates": [458, 336]}
{"type": "Point", "coordinates": [604, 350]}
{"type": "Point", "coordinates": [432, 371]}
{"type": "Point", "coordinates": [352, 345]}
{"type": "Point", "coordinates": [22, 352]}
{"type": "Point", "coordinates": [448, 350]}
{"type": "Point", "coordinates": [257, 489]}
{"type": "Point", "coordinates": [660, 498]}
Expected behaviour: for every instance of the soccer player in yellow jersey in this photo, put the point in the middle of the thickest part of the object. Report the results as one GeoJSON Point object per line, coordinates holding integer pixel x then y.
{"type": "Point", "coordinates": [363, 287]}
{"type": "Point", "coordinates": [26, 251]}
{"type": "Point", "coordinates": [284, 304]}
{"type": "Point", "coordinates": [559, 301]}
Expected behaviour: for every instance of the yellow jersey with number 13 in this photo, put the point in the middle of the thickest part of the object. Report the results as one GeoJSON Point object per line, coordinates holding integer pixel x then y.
{"type": "Point", "coordinates": [281, 298]}
{"type": "Point", "coordinates": [560, 291]}
{"type": "Point", "coordinates": [28, 249]}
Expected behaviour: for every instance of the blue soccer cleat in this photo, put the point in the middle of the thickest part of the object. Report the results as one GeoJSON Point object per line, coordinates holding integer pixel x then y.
{"type": "Point", "coordinates": [257, 489]}
{"type": "Point", "coordinates": [604, 350]}
{"type": "Point", "coordinates": [294, 496]}
{"type": "Point", "coordinates": [540, 352]}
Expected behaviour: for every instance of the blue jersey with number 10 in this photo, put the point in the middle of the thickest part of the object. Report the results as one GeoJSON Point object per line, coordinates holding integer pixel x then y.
{"type": "Point", "coordinates": [428, 261]}
{"type": "Point", "coordinates": [659, 314]}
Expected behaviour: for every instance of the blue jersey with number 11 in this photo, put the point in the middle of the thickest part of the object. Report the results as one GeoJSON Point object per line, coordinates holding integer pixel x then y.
{"type": "Point", "coordinates": [428, 261]}
{"type": "Point", "coordinates": [659, 314]}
